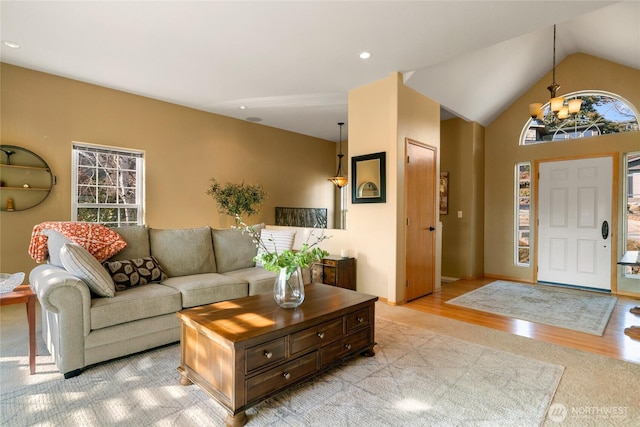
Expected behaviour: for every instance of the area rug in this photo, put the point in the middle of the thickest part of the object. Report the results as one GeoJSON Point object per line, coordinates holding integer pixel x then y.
{"type": "Point", "coordinates": [416, 378]}
{"type": "Point", "coordinates": [573, 309]}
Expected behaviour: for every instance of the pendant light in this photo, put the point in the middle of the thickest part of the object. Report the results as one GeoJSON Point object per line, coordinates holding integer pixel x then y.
{"type": "Point", "coordinates": [556, 104]}
{"type": "Point", "coordinates": [339, 180]}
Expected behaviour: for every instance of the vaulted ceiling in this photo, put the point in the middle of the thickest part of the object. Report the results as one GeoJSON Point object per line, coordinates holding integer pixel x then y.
{"type": "Point", "coordinates": [291, 64]}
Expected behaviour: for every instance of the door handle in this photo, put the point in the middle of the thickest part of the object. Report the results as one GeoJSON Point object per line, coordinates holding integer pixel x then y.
{"type": "Point", "coordinates": [431, 228]}
{"type": "Point", "coordinates": [605, 230]}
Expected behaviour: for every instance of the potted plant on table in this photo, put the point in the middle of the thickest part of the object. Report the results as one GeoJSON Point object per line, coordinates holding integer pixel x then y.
{"type": "Point", "coordinates": [288, 290]}
{"type": "Point", "coordinates": [242, 199]}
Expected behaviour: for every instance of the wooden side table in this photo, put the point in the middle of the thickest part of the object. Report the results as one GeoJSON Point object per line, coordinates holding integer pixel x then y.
{"type": "Point", "coordinates": [335, 271]}
{"type": "Point", "coordinates": [24, 294]}
{"type": "Point", "coordinates": [632, 259]}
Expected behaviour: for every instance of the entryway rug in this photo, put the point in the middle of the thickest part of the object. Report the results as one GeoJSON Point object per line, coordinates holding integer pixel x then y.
{"type": "Point", "coordinates": [416, 378]}
{"type": "Point", "coordinates": [573, 309]}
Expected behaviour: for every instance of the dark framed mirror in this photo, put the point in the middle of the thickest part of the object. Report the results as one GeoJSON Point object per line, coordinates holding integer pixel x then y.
{"type": "Point", "coordinates": [368, 178]}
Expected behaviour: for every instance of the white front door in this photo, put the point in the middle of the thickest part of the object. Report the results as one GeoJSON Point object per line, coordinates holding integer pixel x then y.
{"type": "Point", "coordinates": [574, 215]}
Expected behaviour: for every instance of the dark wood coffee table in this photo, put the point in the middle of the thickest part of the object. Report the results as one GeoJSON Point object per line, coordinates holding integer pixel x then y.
{"type": "Point", "coordinates": [243, 351]}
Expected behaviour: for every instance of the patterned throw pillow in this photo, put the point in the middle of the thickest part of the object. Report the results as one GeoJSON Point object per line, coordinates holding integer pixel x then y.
{"type": "Point", "coordinates": [99, 240]}
{"type": "Point", "coordinates": [131, 273]}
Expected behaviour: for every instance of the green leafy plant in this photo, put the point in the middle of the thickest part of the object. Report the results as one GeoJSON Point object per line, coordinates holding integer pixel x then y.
{"type": "Point", "coordinates": [237, 199]}
{"type": "Point", "coordinates": [289, 259]}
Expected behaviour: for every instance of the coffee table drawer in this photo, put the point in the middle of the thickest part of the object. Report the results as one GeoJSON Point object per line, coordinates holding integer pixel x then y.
{"type": "Point", "coordinates": [358, 319]}
{"type": "Point", "coordinates": [280, 377]}
{"type": "Point", "coordinates": [349, 344]}
{"type": "Point", "coordinates": [318, 335]}
{"type": "Point", "coordinates": [265, 354]}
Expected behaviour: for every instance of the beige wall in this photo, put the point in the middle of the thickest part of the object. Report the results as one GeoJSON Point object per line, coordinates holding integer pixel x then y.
{"type": "Point", "coordinates": [183, 147]}
{"type": "Point", "coordinates": [418, 120]}
{"type": "Point", "coordinates": [463, 238]}
{"type": "Point", "coordinates": [381, 116]}
{"type": "Point", "coordinates": [576, 72]}
{"type": "Point", "coordinates": [186, 147]}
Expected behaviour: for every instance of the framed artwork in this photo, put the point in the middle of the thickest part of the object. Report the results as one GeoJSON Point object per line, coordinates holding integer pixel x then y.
{"type": "Point", "coordinates": [302, 217]}
{"type": "Point", "coordinates": [444, 192]}
{"type": "Point", "coordinates": [368, 178]}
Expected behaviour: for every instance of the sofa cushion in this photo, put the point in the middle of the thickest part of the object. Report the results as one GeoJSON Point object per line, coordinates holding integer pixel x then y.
{"type": "Point", "coordinates": [55, 242]}
{"type": "Point", "coordinates": [276, 241]}
{"type": "Point", "coordinates": [134, 304]}
{"type": "Point", "coordinates": [137, 238]}
{"type": "Point", "coordinates": [260, 280]}
{"type": "Point", "coordinates": [234, 249]}
{"type": "Point", "coordinates": [200, 289]}
{"type": "Point", "coordinates": [79, 262]}
{"type": "Point", "coordinates": [182, 252]}
{"type": "Point", "coordinates": [134, 272]}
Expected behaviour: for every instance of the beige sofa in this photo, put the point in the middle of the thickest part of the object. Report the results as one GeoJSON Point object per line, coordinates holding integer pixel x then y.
{"type": "Point", "coordinates": [203, 266]}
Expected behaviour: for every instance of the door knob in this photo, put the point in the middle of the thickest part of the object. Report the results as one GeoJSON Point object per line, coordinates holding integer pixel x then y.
{"type": "Point", "coordinates": [431, 228]}
{"type": "Point", "coordinates": [605, 230]}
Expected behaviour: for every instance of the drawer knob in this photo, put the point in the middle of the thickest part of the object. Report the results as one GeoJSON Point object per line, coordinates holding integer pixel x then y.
{"type": "Point", "coordinates": [268, 354]}
{"type": "Point", "coordinates": [360, 319]}
{"type": "Point", "coordinates": [347, 346]}
{"type": "Point", "coordinates": [286, 375]}
{"type": "Point", "coordinates": [320, 335]}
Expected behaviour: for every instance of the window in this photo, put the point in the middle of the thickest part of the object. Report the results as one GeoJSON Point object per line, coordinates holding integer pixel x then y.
{"type": "Point", "coordinates": [522, 210]}
{"type": "Point", "coordinates": [600, 113]}
{"type": "Point", "coordinates": [107, 185]}
{"type": "Point", "coordinates": [632, 218]}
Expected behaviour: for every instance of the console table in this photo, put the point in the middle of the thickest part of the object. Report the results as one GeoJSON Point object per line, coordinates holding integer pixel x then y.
{"type": "Point", "coordinates": [245, 350]}
{"type": "Point", "coordinates": [632, 259]}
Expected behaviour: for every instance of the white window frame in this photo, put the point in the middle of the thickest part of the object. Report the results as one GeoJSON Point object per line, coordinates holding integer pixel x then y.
{"type": "Point", "coordinates": [628, 272]}
{"type": "Point", "coordinates": [565, 134]}
{"type": "Point", "coordinates": [516, 219]}
{"type": "Point", "coordinates": [78, 147]}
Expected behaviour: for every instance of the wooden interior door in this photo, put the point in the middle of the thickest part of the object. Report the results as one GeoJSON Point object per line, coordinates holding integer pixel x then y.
{"type": "Point", "coordinates": [421, 202]}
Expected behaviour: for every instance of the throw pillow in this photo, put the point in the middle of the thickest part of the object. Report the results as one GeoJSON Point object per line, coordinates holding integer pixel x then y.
{"type": "Point", "coordinates": [276, 241]}
{"type": "Point", "coordinates": [79, 262]}
{"type": "Point", "coordinates": [98, 239]}
{"type": "Point", "coordinates": [55, 242]}
{"type": "Point", "coordinates": [134, 272]}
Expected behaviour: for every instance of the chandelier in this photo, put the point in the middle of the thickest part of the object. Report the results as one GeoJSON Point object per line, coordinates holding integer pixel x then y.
{"type": "Point", "coordinates": [339, 180]}
{"type": "Point", "coordinates": [559, 110]}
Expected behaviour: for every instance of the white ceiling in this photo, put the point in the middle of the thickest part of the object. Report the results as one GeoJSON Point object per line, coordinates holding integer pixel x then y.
{"type": "Point", "coordinates": [292, 63]}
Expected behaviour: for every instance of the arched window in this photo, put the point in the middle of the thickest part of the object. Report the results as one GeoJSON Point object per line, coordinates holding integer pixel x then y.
{"type": "Point", "coordinates": [585, 114]}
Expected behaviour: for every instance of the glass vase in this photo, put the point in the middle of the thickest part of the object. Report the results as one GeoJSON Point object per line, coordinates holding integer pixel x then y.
{"type": "Point", "coordinates": [288, 290]}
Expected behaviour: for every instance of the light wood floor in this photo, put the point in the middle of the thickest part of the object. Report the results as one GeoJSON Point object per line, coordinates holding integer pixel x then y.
{"type": "Point", "coordinates": [613, 344]}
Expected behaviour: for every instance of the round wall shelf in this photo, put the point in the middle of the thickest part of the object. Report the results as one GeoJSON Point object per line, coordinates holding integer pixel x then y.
{"type": "Point", "coordinates": [25, 179]}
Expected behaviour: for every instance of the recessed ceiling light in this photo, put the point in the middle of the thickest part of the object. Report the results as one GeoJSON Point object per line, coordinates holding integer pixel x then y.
{"type": "Point", "coordinates": [11, 44]}
{"type": "Point", "coordinates": [243, 107]}
{"type": "Point", "coordinates": [365, 55]}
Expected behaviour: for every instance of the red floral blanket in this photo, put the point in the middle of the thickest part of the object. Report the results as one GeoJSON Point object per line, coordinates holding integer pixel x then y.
{"type": "Point", "coordinates": [99, 240]}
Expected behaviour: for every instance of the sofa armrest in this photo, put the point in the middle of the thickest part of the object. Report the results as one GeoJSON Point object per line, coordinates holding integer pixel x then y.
{"type": "Point", "coordinates": [64, 294]}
